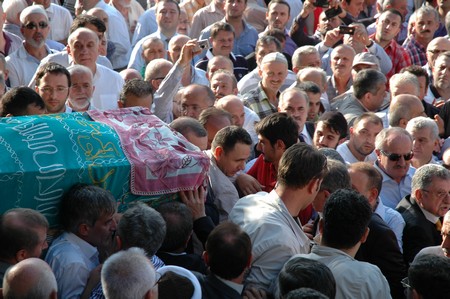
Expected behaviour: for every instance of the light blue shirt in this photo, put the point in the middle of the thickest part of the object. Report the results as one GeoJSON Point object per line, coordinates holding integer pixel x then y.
{"type": "Point", "coordinates": [391, 191]}
{"type": "Point", "coordinates": [71, 259]}
{"type": "Point", "coordinates": [394, 220]}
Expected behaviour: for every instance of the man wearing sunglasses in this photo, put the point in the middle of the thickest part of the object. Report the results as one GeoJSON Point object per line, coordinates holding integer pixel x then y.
{"type": "Point", "coordinates": [424, 208]}
{"type": "Point", "coordinates": [23, 62]}
{"type": "Point", "coordinates": [393, 147]}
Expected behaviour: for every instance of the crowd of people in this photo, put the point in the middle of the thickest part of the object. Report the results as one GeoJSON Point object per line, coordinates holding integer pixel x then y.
{"type": "Point", "coordinates": [326, 125]}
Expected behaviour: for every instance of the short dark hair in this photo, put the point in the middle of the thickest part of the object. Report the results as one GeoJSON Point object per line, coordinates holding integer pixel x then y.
{"type": "Point", "coordinates": [367, 80]}
{"type": "Point", "coordinates": [429, 275]}
{"type": "Point", "coordinates": [300, 164]}
{"type": "Point", "coordinates": [17, 99]}
{"type": "Point", "coordinates": [141, 226]}
{"type": "Point", "coordinates": [169, 1]}
{"type": "Point", "coordinates": [280, 2]}
{"type": "Point", "coordinates": [229, 250]}
{"type": "Point", "coordinates": [278, 126]}
{"type": "Point", "coordinates": [220, 26]}
{"type": "Point", "coordinates": [85, 204]}
{"type": "Point", "coordinates": [301, 272]}
{"type": "Point", "coordinates": [229, 136]}
{"type": "Point", "coordinates": [209, 112]}
{"type": "Point", "coordinates": [185, 125]}
{"type": "Point", "coordinates": [267, 40]}
{"type": "Point", "coordinates": [336, 122]}
{"type": "Point", "coordinates": [84, 19]}
{"type": "Point", "coordinates": [179, 225]}
{"type": "Point", "coordinates": [375, 177]}
{"type": "Point", "coordinates": [395, 12]}
{"type": "Point", "coordinates": [337, 177]}
{"type": "Point", "coordinates": [21, 232]}
{"type": "Point", "coordinates": [417, 71]}
{"type": "Point", "coordinates": [309, 86]}
{"type": "Point", "coordinates": [346, 215]}
{"type": "Point", "coordinates": [305, 293]}
{"type": "Point", "coordinates": [136, 87]}
{"type": "Point", "coordinates": [277, 33]}
{"type": "Point", "coordinates": [54, 69]}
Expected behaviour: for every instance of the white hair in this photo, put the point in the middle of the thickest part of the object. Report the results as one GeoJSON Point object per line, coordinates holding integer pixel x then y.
{"type": "Point", "coordinates": [128, 274]}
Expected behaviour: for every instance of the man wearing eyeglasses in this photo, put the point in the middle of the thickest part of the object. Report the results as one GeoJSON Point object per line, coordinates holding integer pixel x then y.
{"type": "Point", "coordinates": [393, 147]}
{"type": "Point", "coordinates": [52, 84]}
{"type": "Point", "coordinates": [23, 62]}
{"type": "Point", "coordinates": [423, 209]}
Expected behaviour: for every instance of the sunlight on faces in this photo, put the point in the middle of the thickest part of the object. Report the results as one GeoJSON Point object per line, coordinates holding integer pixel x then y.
{"type": "Point", "coordinates": [341, 62]}
{"type": "Point", "coordinates": [183, 24]}
{"type": "Point", "coordinates": [277, 15]}
{"type": "Point", "coordinates": [325, 137]}
{"type": "Point", "coordinates": [235, 8]}
{"type": "Point", "coordinates": [269, 151]}
{"type": "Point", "coordinates": [175, 46]}
{"type": "Point", "coordinates": [234, 106]}
{"type": "Point", "coordinates": [214, 125]}
{"type": "Point", "coordinates": [295, 105]}
{"type": "Point", "coordinates": [193, 102]}
{"type": "Point", "coordinates": [83, 47]}
{"type": "Point", "coordinates": [263, 50]}
{"type": "Point", "coordinates": [222, 85]}
{"type": "Point", "coordinates": [35, 37]}
{"type": "Point", "coordinates": [167, 16]}
{"type": "Point", "coordinates": [223, 43]}
{"type": "Point", "coordinates": [360, 181]}
{"type": "Point", "coordinates": [423, 144]}
{"type": "Point", "coordinates": [425, 26]}
{"type": "Point", "coordinates": [362, 137]}
{"type": "Point", "coordinates": [152, 50]}
{"type": "Point", "coordinates": [387, 26]}
{"type": "Point", "coordinates": [80, 93]}
{"type": "Point", "coordinates": [314, 105]}
{"type": "Point", "coordinates": [437, 46]}
{"type": "Point", "coordinates": [273, 75]}
{"type": "Point", "coordinates": [435, 199]}
{"type": "Point", "coordinates": [395, 144]}
{"type": "Point", "coordinates": [233, 161]}
{"type": "Point", "coordinates": [441, 72]}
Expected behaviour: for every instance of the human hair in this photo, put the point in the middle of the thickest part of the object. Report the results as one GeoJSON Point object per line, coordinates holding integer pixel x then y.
{"type": "Point", "coordinates": [127, 274]}
{"type": "Point", "coordinates": [277, 33]}
{"type": "Point", "coordinates": [429, 275]}
{"type": "Point", "coordinates": [380, 140]}
{"type": "Point", "coordinates": [424, 176]}
{"type": "Point", "coordinates": [229, 250]}
{"type": "Point", "coordinates": [29, 278]}
{"type": "Point", "coordinates": [16, 101]}
{"type": "Point", "coordinates": [272, 2]}
{"type": "Point", "coordinates": [370, 116]}
{"type": "Point", "coordinates": [175, 285]}
{"type": "Point", "coordinates": [420, 123]}
{"type": "Point", "coordinates": [417, 71]}
{"type": "Point", "coordinates": [213, 113]}
{"type": "Point", "coordinates": [425, 10]}
{"type": "Point", "coordinates": [2, 79]}
{"type": "Point", "coordinates": [301, 51]}
{"type": "Point", "coordinates": [375, 179]}
{"type": "Point", "coordinates": [73, 35]}
{"type": "Point", "coordinates": [405, 79]}
{"type": "Point", "coordinates": [301, 272]}
{"type": "Point", "coordinates": [159, 3]}
{"type": "Point", "coordinates": [278, 126]}
{"type": "Point", "coordinates": [299, 165]}
{"type": "Point", "coordinates": [54, 69]}
{"type": "Point", "coordinates": [185, 125]}
{"type": "Point", "coordinates": [400, 108]}
{"type": "Point", "coordinates": [136, 87]}
{"type": "Point", "coordinates": [141, 226]}
{"type": "Point", "coordinates": [336, 178]}
{"type": "Point", "coordinates": [227, 138]}
{"type": "Point", "coordinates": [85, 204]}
{"type": "Point", "coordinates": [179, 225]}
{"type": "Point", "coordinates": [83, 20]}
{"type": "Point", "coordinates": [309, 86]}
{"type": "Point", "coordinates": [12, 9]}
{"type": "Point", "coordinates": [292, 90]}
{"type": "Point", "coordinates": [150, 40]}
{"type": "Point", "coordinates": [220, 26]}
{"type": "Point", "coordinates": [18, 231]}
{"type": "Point", "coordinates": [368, 80]}
{"type": "Point", "coordinates": [395, 12]}
{"type": "Point", "coordinates": [219, 57]}
{"type": "Point", "coordinates": [154, 69]}
{"type": "Point", "coordinates": [336, 122]}
{"type": "Point", "coordinates": [267, 40]}
{"type": "Point", "coordinates": [332, 154]}
{"type": "Point", "coordinates": [346, 215]}
{"type": "Point", "coordinates": [228, 74]}
{"type": "Point", "coordinates": [305, 293]}
{"type": "Point", "coordinates": [78, 69]}
{"type": "Point", "coordinates": [309, 70]}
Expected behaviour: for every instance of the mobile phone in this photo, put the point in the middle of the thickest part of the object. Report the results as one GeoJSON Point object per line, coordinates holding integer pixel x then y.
{"type": "Point", "coordinates": [346, 30]}
{"type": "Point", "coordinates": [322, 3]}
{"type": "Point", "coordinates": [332, 12]}
{"type": "Point", "coordinates": [204, 44]}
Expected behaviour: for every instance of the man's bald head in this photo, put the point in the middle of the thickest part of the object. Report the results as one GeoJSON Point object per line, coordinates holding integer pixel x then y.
{"type": "Point", "coordinates": [403, 108]}
{"type": "Point", "coordinates": [233, 105]}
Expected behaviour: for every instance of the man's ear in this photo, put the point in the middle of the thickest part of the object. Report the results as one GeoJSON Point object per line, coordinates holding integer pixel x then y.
{"type": "Point", "coordinates": [279, 144]}
{"type": "Point", "coordinates": [321, 225]}
{"type": "Point", "coordinates": [365, 235]}
{"type": "Point", "coordinates": [21, 255]}
{"type": "Point", "coordinates": [83, 229]}
{"type": "Point", "coordinates": [120, 104]}
{"type": "Point", "coordinates": [205, 257]}
{"type": "Point", "coordinates": [314, 186]}
{"type": "Point", "coordinates": [403, 122]}
{"type": "Point", "coordinates": [218, 152]}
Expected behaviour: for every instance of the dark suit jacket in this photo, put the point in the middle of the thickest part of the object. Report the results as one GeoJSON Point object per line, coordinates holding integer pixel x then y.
{"type": "Point", "coordinates": [418, 232]}
{"type": "Point", "coordinates": [189, 261]}
{"type": "Point", "coordinates": [213, 288]}
{"type": "Point", "coordinates": [381, 249]}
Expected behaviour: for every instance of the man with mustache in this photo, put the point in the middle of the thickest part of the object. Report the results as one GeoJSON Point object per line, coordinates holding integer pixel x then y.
{"type": "Point", "coordinates": [393, 147]}
{"type": "Point", "coordinates": [422, 210]}
{"type": "Point", "coordinates": [361, 144]}
{"type": "Point", "coordinates": [23, 63]}
{"type": "Point", "coordinates": [427, 22]}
